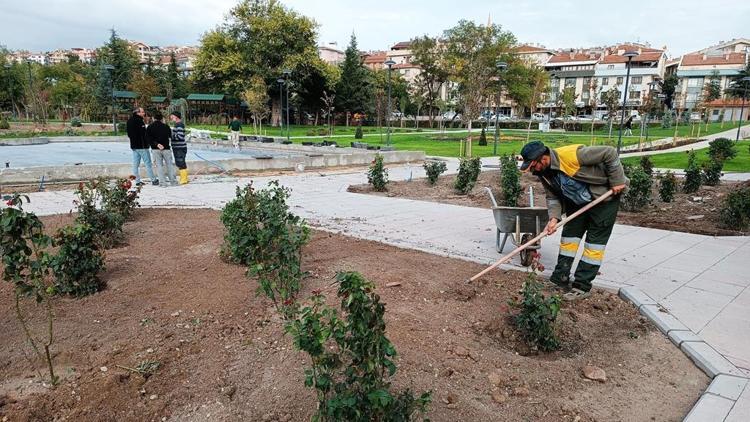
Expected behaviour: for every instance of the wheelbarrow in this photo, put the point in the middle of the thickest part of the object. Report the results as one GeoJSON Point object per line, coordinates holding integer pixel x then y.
{"type": "Point", "coordinates": [521, 224]}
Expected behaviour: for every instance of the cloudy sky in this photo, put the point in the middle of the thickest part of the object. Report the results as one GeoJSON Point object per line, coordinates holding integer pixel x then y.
{"type": "Point", "coordinates": [681, 25]}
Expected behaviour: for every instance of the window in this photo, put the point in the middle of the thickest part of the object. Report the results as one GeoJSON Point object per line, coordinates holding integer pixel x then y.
{"type": "Point", "coordinates": [695, 82]}
{"type": "Point", "coordinates": [586, 82]}
{"type": "Point", "coordinates": [555, 82]}
{"type": "Point", "coordinates": [619, 80]}
{"type": "Point", "coordinates": [634, 95]}
{"type": "Point", "coordinates": [585, 95]}
{"type": "Point", "coordinates": [605, 81]}
{"type": "Point", "coordinates": [610, 66]}
{"type": "Point", "coordinates": [692, 97]}
{"type": "Point", "coordinates": [570, 82]}
{"type": "Point", "coordinates": [636, 80]}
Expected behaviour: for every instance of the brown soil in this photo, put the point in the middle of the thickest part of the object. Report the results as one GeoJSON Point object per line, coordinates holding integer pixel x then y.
{"type": "Point", "coordinates": [659, 215]}
{"type": "Point", "coordinates": [224, 356]}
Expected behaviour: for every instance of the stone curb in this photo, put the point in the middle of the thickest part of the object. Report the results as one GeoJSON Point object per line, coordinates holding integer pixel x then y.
{"type": "Point", "coordinates": [728, 382]}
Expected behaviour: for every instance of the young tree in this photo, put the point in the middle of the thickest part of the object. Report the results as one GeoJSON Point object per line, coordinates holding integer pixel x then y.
{"type": "Point", "coordinates": [611, 100]}
{"type": "Point", "coordinates": [711, 92]}
{"type": "Point", "coordinates": [593, 103]}
{"type": "Point", "coordinates": [566, 101]}
{"type": "Point", "coordinates": [668, 88]}
{"type": "Point", "coordinates": [471, 54]}
{"type": "Point", "coordinates": [428, 54]}
{"type": "Point", "coordinates": [257, 99]}
{"type": "Point", "coordinates": [354, 90]}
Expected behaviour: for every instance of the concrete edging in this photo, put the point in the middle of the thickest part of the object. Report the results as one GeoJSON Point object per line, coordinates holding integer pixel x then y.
{"type": "Point", "coordinates": [727, 381]}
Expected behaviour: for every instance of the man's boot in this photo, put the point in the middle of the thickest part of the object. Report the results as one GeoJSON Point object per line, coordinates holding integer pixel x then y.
{"type": "Point", "coordinates": [183, 176]}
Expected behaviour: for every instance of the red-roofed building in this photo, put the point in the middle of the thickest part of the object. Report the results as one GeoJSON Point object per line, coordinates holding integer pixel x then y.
{"type": "Point", "coordinates": [647, 67]}
{"type": "Point", "coordinates": [571, 69]}
{"type": "Point", "coordinates": [696, 70]}
{"type": "Point", "coordinates": [534, 54]}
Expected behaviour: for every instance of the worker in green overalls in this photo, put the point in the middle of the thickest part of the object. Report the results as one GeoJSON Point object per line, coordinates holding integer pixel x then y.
{"type": "Point", "coordinates": [573, 176]}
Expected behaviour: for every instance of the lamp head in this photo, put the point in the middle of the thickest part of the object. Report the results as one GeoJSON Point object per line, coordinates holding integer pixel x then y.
{"type": "Point", "coordinates": [389, 63]}
{"type": "Point", "coordinates": [500, 65]}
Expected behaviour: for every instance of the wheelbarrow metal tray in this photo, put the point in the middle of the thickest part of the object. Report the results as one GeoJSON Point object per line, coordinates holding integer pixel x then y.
{"type": "Point", "coordinates": [505, 218]}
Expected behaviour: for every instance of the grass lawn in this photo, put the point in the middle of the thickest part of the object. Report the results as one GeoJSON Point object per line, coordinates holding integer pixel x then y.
{"type": "Point", "coordinates": [683, 131]}
{"type": "Point", "coordinates": [302, 130]}
{"type": "Point", "coordinates": [678, 160]}
{"type": "Point", "coordinates": [448, 145]}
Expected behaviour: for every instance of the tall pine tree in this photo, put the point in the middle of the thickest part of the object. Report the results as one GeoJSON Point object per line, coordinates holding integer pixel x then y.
{"type": "Point", "coordinates": [117, 52]}
{"type": "Point", "coordinates": [353, 91]}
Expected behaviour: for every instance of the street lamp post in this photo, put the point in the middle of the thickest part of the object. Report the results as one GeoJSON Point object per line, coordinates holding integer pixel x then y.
{"type": "Point", "coordinates": [501, 66]}
{"type": "Point", "coordinates": [390, 64]}
{"type": "Point", "coordinates": [110, 70]}
{"type": "Point", "coordinates": [287, 73]}
{"type": "Point", "coordinates": [746, 82]}
{"type": "Point", "coordinates": [10, 89]}
{"type": "Point", "coordinates": [31, 92]}
{"type": "Point", "coordinates": [281, 104]}
{"type": "Point", "coordinates": [629, 55]}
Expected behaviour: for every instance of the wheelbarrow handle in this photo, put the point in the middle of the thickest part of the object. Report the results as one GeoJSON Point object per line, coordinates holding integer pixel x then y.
{"type": "Point", "coordinates": [543, 234]}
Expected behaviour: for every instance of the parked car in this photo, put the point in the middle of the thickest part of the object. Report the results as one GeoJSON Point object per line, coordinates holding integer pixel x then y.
{"type": "Point", "coordinates": [397, 114]}
{"type": "Point", "coordinates": [585, 117]}
{"type": "Point", "coordinates": [538, 117]}
{"type": "Point", "coordinates": [451, 115]}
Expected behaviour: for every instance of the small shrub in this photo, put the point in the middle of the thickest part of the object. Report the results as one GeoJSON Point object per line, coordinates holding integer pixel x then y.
{"type": "Point", "coordinates": [25, 262]}
{"type": "Point", "coordinates": [351, 357]}
{"type": "Point", "coordinates": [311, 132]}
{"type": "Point", "coordinates": [647, 165]}
{"type": "Point", "coordinates": [263, 234]}
{"type": "Point", "coordinates": [120, 197]}
{"type": "Point", "coordinates": [434, 169]}
{"type": "Point", "coordinates": [735, 210]}
{"type": "Point", "coordinates": [69, 131]}
{"type": "Point", "coordinates": [358, 133]}
{"type": "Point", "coordinates": [510, 180]}
{"type": "Point", "coordinates": [667, 186]}
{"type": "Point", "coordinates": [377, 175]}
{"type": "Point", "coordinates": [638, 194]}
{"type": "Point", "coordinates": [536, 319]}
{"type": "Point", "coordinates": [692, 175]}
{"type": "Point", "coordinates": [78, 261]}
{"type": "Point", "coordinates": [322, 132]}
{"type": "Point", "coordinates": [107, 225]}
{"type": "Point", "coordinates": [711, 172]}
{"type": "Point", "coordinates": [76, 122]}
{"type": "Point", "coordinates": [468, 173]}
{"type": "Point", "coordinates": [722, 149]}
{"type": "Point", "coordinates": [483, 138]}
{"type": "Point", "coordinates": [4, 124]}
{"type": "Point", "coordinates": [121, 127]}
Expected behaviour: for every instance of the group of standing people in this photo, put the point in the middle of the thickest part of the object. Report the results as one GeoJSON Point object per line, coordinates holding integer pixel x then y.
{"type": "Point", "coordinates": [163, 142]}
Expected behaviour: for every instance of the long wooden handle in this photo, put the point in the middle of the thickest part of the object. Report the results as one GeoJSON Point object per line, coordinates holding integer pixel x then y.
{"type": "Point", "coordinates": [543, 234]}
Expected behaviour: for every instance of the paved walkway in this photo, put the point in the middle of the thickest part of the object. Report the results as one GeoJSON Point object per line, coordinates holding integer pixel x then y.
{"type": "Point", "coordinates": [701, 280]}
{"type": "Point", "coordinates": [731, 134]}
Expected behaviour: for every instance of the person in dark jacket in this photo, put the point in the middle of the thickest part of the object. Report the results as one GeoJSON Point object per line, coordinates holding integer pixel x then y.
{"type": "Point", "coordinates": [629, 126]}
{"type": "Point", "coordinates": [573, 176]}
{"type": "Point", "coordinates": [159, 136]}
{"type": "Point", "coordinates": [136, 129]}
{"type": "Point", "coordinates": [179, 146]}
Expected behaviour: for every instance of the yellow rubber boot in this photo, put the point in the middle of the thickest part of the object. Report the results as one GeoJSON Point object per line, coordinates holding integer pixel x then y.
{"type": "Point", "coordinates": [183, 176]}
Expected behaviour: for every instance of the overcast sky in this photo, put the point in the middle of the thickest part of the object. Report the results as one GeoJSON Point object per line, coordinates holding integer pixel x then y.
{"type": "Point", "coordinates": [681, 25]}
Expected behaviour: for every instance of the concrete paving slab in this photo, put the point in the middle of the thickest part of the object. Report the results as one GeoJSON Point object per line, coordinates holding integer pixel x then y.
{"type": "Point", "coordinates": [710, 408]}
{"type": "Point", "coordinates": [727, 386]}
{"type": "Point", "coordinates": [741, 410]}
{"type": "Point", "coordinates": [714, 286]}
{"type": "Point", "coordinates": [709, 360]}
{"type": "Point", "coordinates": [695, 308]}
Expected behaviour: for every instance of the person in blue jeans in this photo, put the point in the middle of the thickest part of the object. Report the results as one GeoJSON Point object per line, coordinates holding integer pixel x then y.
{"type": "Point", "coordinates": [136, 129]}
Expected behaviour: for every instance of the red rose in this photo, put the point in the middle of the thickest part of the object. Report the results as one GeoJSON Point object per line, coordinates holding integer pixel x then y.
{"type": "Point", "coordinates": [9, 203]}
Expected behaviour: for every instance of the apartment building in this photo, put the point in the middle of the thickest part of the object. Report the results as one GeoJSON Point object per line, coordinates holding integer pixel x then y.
{"type": "Point", "coordinates": [85, 55]}
{"type": "Point", "coordinates": [646, 68]}
{"type": "Point", "coordinates": [695, 70]}
{"type": "Point", "coordinates": [571, 69]}
{"type": "Point", "coordinates": [144, 51]}
{"type": "Point", "coordinates": [331, 54]}
{"type": "Point", "coordinates": [532, 54]}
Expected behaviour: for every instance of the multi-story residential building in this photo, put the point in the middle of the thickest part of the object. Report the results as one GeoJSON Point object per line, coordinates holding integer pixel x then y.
{"type": "Point", "coordinates": [143, 50]}
{"type": "Point", "coordinates": [58, 56]}
{"type": "Point", "coordinates": [646, 68]}
{"type": "Point", "coordinates": [374, 60]}
{"type": "Point", "coordinates": [85, 55]}
{"type": "Point", "coordinates": [330, 53]}
{"type": "Point", "coordinates": [41, 58]}
{"type": "Point", "coordinates": [401, 54]}
{"type": "Point", "coordinates": [534, 54]}
{"type": "Point", "coordinates": [721, 62]}
{"type": "Point", "coordinates": [571, 69]}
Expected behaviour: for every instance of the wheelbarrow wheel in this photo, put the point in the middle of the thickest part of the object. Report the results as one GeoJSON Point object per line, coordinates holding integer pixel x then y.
{"type": "Point", "coordinates": [527, 255]}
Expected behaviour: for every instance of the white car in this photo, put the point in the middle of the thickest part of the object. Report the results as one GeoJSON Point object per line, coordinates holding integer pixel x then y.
{"type": "Point", "coordinates": [538, 117]}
